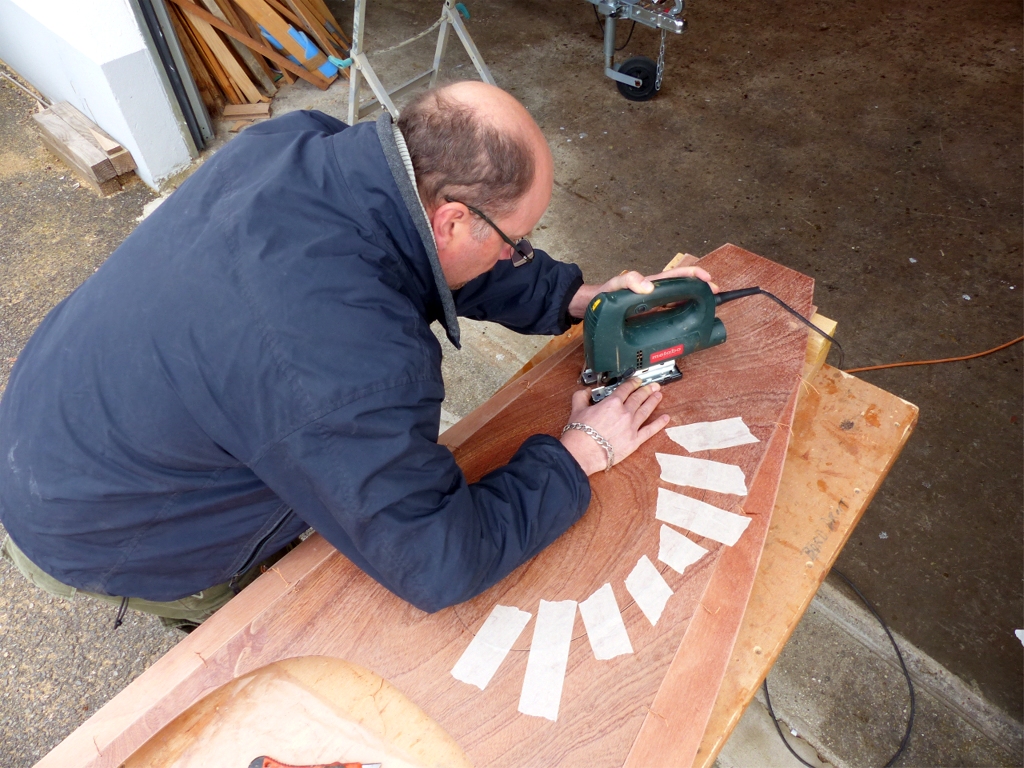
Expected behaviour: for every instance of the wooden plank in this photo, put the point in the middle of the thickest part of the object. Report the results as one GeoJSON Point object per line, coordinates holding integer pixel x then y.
{"type": "Point", "coordinates": [681, 711]}
{"type": "Point", "coordinates": [226, 13]}
{"type": "Point", "coordinates": [314, 78]}
{"type": "Point", "coordinates": [87, 160]}
{"type": "Point", "coordinates": [285, 12]}
{"type": "Point", "coordinates": [87, 156]}
{"type": "Point", "coordinates": [846, 436]}
{"type": "Point", "coordinates": [107, 144]}
{"type": "Point", "coordinates": [247, 110]}
{"type": "Point", "coordinates": [120, 158]}
{"type": "Point", "coordinates": [241, 21]}
{"type": "Point", "coordinates": [225, 84]}
{"type": "Point", "coordinates": [327, 22]}
{"type": "Point", "coordinates": [227, 60]}
{"type": "Point", "coordinates": [280, 29]}
{"type": "Point", "coordinates": [315, 28]}
{"type": "Point", "coordinates": [317, 603]}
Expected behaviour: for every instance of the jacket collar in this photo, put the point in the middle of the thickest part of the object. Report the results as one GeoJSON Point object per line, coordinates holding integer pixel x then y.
{"type": "Point", "coordinates": [397, 155]}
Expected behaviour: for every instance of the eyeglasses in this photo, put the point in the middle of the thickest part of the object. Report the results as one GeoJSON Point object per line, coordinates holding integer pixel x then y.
{"type": "Point", "coordinates": [522, 251]}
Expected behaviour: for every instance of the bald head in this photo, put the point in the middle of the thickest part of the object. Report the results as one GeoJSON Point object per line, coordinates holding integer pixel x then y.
{"type": "Point", "coordinates": [493, 106]}
{"type": "Point", "coordinates": [474, 142]}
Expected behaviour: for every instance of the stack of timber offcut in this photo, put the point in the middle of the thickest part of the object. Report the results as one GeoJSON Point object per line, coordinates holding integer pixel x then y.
{"type": "Point", "coordinates": [94, 155]}
{"type": "Point", "coordinates": [239, 50]}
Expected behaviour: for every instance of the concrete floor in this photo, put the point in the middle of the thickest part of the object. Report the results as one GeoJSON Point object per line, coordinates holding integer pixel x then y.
{"type": "Point", "coordinates": [875, 147]}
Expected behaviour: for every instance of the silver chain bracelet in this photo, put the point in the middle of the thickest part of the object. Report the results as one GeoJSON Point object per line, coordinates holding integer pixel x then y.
{"type": "Point", "coordinates": [586, 429]}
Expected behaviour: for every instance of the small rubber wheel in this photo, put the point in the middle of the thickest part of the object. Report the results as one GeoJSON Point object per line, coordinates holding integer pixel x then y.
{"type": "Point", "coordinates": [644, 70]}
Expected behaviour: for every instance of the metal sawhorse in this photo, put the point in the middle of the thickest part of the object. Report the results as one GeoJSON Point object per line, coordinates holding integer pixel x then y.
{"type": "Point", "coordinates": [361, 68]}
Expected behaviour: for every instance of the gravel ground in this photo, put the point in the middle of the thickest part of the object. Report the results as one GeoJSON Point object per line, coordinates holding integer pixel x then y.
{"type": "Point", "coordinates": [59, 661]}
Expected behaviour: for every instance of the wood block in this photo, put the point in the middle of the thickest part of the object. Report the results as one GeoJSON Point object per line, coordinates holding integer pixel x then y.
{"type": "Point", "coordinates": [107, 144]}
{"type": "Point", "coordinates": [247, 110]}
{"type": "Point", "coordinates": [317, 603]}
{"type": "Point", "coordinates": [120, 158]}
{"type": "Point", "coordinates": [818, 346]}
{"type": "Point", "coordinates": [239, 77]}
{"type": "Point", "coordinates": [86, 159]}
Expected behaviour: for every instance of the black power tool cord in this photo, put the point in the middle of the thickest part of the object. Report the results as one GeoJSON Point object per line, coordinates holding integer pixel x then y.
{"type": "Point", "coordinates": [906, 675]}
{"type": "Point", "coordinates": [725, 296]}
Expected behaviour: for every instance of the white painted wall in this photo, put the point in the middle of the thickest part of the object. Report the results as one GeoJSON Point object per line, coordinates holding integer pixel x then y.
{"type": "Point", "coordinates": [91, 54]}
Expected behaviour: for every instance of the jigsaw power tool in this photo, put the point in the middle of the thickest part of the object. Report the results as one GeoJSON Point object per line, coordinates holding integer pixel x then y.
{"type": "Point", "coordinates": [628, 334]}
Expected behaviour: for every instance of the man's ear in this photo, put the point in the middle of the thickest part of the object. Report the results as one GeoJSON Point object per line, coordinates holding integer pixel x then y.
{"type": "Point", "coordinates": [449, 222]}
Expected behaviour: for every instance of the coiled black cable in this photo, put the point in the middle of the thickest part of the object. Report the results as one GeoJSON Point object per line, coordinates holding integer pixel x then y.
{"type": "Point", "coordinates": [906, 675]}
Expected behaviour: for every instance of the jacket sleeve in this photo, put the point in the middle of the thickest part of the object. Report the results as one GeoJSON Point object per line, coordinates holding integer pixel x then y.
{"type": "Point", "coordinates": [372, 480]}
{"type": "Point", "coordinates": [533, 298]}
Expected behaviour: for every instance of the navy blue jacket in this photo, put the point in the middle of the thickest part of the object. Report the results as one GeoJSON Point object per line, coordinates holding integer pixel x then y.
{"type": "Point", "coordinates": [256, 359]}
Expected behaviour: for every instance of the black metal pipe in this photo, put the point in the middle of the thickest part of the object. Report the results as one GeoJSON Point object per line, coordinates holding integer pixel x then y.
{"type": "Point", "coordinates": [171, 68]}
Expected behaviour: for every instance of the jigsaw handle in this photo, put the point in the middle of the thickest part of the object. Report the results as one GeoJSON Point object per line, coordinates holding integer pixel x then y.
{"type": "Point", "coordinates": [624, 329]}
{"type": "Point", "coordinates": [673, 290]}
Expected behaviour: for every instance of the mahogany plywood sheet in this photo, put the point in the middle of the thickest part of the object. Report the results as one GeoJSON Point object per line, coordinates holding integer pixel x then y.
{"type": "Point", "coordinates": [847, 434]}
{"type": "Point", "coordinates": [672, 731]}
{"type": "Point", "coordinates": [316, 603]}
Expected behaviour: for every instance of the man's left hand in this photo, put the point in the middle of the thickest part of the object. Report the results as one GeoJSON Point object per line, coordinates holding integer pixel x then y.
{"type": "Point", "coordinates": [635, 282]}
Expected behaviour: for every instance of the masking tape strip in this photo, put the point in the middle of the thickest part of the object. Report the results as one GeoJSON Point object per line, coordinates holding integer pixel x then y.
{"type": "Point", "coordinates": [549, 654]}
{"type": "Point", "coordinates": [700, 517]}
{"type": "Point", "coordinates": [677, 551]}
{"type": "Point", "coordinates": [648, 588]}
{"type": "Point", "coordinates": [712, 435]}
{"type": "Point", "coordinates": [605, 628]}
{"type": "Point", "coordinates": [491, 645]}
{"type": "Point", "coordinates": [701, 473]}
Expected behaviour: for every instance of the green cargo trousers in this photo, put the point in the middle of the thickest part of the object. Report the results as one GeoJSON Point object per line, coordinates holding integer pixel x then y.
{"type": "Point", "coordinates": [186, 613]}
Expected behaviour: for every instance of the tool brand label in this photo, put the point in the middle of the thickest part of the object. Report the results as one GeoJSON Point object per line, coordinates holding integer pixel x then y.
{"type": "Point", "coordinates": [667, 354]}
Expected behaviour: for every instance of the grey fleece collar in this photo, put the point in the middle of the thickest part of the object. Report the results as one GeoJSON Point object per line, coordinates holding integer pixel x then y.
{"type": "Point", "coordinates": [401, 168]}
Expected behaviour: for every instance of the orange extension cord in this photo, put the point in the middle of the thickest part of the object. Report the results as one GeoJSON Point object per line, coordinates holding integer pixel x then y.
{"type": "Point", "coordinates": [1018, 340]}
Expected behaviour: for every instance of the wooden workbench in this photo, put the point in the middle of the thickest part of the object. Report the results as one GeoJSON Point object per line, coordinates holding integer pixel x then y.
{"type": "Point", "coordinates": [845, 437]}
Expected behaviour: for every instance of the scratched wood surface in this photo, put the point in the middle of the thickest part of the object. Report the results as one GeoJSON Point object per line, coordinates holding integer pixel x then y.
{"type": "Point", "coordinates": [316, 603]}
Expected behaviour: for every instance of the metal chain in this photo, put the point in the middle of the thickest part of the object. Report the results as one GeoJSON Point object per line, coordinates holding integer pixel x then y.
{"type": "Point", "coordinates": [661, 62]}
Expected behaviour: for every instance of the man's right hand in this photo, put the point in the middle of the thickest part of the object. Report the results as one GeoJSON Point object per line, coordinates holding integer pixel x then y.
{"type": "Point", "coordinates": [619, 418]}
